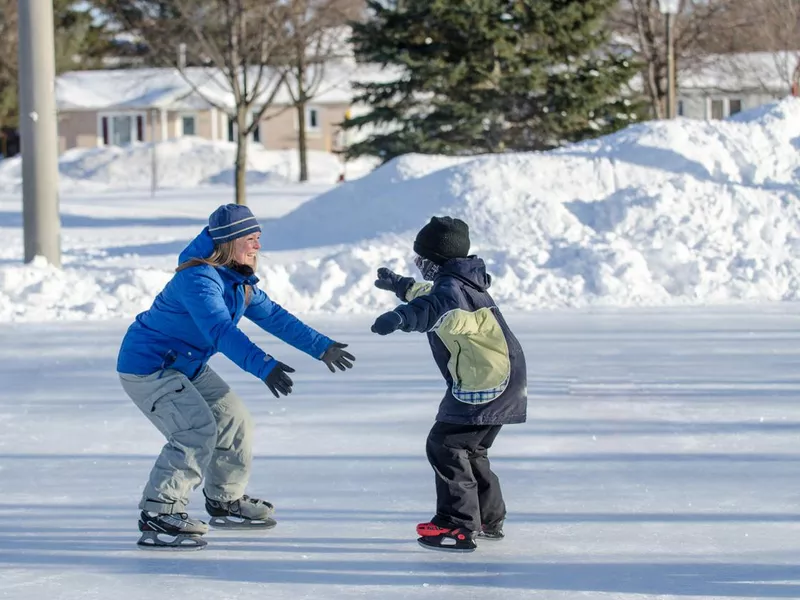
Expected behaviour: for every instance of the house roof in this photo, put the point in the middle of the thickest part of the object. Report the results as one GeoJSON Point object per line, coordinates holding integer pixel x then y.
{"type": "Point", "coordinates": [147, 88]}
{"type": "Point", "coordinates": [752, 71]}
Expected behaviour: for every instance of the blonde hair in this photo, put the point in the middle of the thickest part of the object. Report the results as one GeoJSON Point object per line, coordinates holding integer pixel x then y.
{"type": "Point", "coordinates": [222, 256]}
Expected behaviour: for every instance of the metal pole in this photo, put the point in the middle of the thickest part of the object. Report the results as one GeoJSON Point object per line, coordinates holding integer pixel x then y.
{"type": "Point", "coordinates": [670, 68]}
{"type": "Point", "coordinates": [39, 138]}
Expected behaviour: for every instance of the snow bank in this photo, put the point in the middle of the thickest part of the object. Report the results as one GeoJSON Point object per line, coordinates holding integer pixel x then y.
{"type": "Point", "coordinates": [661, 213]}
{"type": "Point", "coordinates": [40, 292]}
{"type": "Point", "coordinates": [180, 163]}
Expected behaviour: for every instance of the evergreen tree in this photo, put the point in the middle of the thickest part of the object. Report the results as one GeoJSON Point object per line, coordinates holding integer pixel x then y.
{"type": "Point", "coordinates": [475, 76]}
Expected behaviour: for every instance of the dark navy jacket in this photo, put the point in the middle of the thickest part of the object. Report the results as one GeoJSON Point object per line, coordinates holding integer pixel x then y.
{"type": "Point", "coordinates": [478, 356]}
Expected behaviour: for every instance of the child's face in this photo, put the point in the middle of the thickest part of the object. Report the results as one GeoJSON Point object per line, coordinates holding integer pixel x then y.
{"type": "Point", "coordinates": [427, 268]}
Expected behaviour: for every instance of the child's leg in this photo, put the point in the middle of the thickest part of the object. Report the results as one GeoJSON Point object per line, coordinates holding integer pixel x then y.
{"type": "Point", "coordinates": [449, 448]}
{"type": "Point", "coordinates": [492, 506]}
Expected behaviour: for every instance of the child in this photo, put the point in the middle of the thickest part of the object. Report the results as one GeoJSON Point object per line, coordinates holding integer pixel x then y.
{"type": "Point", "coordinates": [484, 367]}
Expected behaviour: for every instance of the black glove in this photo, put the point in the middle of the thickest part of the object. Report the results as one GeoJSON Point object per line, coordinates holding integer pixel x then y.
{"type": "Point", "coordinates": [391, 281]}
{"type": "Point", "coordinates": [278, 381]}
{"type": "Point", "coordinates": [334, 356]}
{"type": "Point", "coordinates": [387, 323]}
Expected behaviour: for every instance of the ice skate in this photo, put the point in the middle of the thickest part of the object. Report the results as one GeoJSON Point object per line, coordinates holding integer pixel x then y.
{"type": "Point", "coordinates": [434, 537]}
{"type": "Point", "coordinates": [494, 533]}
{"type": "Point", "coordinates": [177, 531]}
{"type": "Point", "coordinates": [244, 513]}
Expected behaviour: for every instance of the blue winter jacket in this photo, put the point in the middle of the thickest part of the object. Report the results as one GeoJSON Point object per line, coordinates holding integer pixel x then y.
{"type": "Point", "coordinates": [196, 315]}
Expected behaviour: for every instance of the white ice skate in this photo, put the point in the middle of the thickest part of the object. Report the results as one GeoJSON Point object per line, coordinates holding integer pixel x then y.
{"type": "Point", "coordinates": [244, 513]}
{"type": "Point", "coordinates": [177, 531]}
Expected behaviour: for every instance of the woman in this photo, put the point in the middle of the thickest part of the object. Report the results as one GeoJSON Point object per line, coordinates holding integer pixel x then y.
{"type": "Point", "coordinates": [163, 367]}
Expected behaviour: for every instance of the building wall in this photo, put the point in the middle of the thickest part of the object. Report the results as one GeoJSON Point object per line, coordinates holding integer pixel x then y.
{"type": "Point", "coordinates": [81, 129]}
{"type": "Point", "coordinates": [700, 104]}
{"type": "Point", "coordinates": [278, 129]}
{"type": "Point", "coordinates": [77, 129]}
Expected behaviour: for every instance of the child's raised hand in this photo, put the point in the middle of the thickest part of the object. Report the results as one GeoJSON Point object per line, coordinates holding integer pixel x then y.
{"type": "Point", "coordinates": [392, 282]}
{"type": "Point", "coordinates": [387, 279]}
{"type": "Point", "coordinates": [387, 323]}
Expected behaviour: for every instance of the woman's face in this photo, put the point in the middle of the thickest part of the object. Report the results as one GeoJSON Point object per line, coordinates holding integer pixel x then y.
{"type": "Point", "coordinates": [245, 249]}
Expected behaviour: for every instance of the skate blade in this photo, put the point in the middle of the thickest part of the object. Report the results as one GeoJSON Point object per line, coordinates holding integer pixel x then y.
{"type": "Point", "coordinates": [443, 548]}
{"type": "Point", "coordinates": [170, 543]}
{"type": "Point", "coordinates": [488, 538]}
{"type": "Point", "coordinates": [241, 523]}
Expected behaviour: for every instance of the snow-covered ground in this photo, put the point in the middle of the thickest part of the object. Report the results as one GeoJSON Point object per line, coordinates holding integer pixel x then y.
{"type": "Point", "coordinates": [182, 163]}
{"type": "Point", "coordinates": [660, 456]}
{"type": "Point", "coordinates": [660, 460]}
{"type": "Point", "coordinates": [663, 213]}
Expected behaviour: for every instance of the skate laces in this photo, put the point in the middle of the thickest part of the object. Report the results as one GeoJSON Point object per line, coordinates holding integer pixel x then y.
{"type": "Point", "coordinates": [252, 500]}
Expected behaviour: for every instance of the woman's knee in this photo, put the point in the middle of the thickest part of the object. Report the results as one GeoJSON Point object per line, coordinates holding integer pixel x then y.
{"type": "Point", "coordinates": [234, 423]}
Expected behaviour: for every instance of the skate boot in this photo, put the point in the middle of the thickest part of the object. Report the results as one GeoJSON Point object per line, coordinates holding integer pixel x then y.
{"type": "Point", "coordinates": [175, 531]}
{"type": "Point", "coordinates": [493, 532]}
{"type": "Point", "coordinates": [244, 513]}
{"type": "Point", "coordinates": [441, 538]}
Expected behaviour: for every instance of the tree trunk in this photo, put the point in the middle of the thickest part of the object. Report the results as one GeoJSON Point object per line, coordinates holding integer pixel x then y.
{"type": "Point", "coordinates": [654, 91]}
{"type": "Point", "coordinates": [302, 148]}
{"type": "Point", "coordinates": [240, 170]}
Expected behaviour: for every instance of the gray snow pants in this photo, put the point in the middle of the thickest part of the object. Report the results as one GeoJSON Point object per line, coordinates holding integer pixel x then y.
{"type": "Point", "coordinates": [209, 435]}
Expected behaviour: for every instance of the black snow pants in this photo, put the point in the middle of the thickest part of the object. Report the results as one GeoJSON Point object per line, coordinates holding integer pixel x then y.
{"type": "Point", "coordinates": [467, 491]}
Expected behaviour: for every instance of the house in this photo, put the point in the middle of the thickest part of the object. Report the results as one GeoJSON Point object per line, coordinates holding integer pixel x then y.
{"type": "Point", "coordinates": [725, 84]}
{"type": "Point", "coordinates": [116, 107]}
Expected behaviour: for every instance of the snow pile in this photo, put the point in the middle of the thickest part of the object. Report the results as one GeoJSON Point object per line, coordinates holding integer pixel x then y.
{"type": "Point", "coordinates": [180, 163]}
{"type": "Point", "coordinates": [661, 213]}
{"type": "Point", "coordinates": [40, 292]}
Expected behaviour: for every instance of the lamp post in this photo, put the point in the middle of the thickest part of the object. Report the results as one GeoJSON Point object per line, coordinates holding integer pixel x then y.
{"type": "Point", "coordinates": [670, 8]}
{"type": "Point", "coordinates": [38, 133]}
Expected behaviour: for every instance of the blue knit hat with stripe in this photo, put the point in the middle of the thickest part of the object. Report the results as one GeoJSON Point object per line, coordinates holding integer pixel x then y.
{"type": "Point", "coordinates": [231, 221]}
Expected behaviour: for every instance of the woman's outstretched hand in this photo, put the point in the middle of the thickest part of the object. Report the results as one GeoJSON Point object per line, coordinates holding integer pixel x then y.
{"type": "Point", "coordinates": [336, 357]}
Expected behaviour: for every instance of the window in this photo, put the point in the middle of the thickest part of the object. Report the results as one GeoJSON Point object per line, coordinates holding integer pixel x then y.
{"type": "Point", "coordinates": [121, 129]}
{"type": "Point", "coordinates": [188, 125]}
{"type": "Point", "coordinates": [312, 119]}
{"type": "Point", "coordinates": [233, 131]}
{"type": "Point", "coordinates": [717, 109]}
{"type": "Point", "coordinates": [721, 108]}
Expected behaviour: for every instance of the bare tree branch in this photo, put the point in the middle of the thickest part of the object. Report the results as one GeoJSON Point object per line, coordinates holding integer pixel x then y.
{"type": "Point", "coordinates": [236, 41]}
{"type": "Point", "coordinates": [641, 25]}
{"type": "Point", "coordinates": [771, 28]}
{"type": "Point", "coordinates": [316, 30]}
